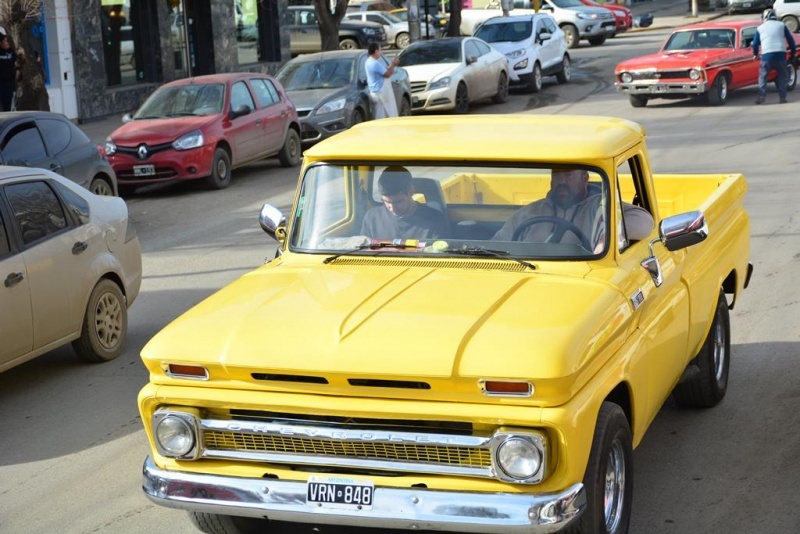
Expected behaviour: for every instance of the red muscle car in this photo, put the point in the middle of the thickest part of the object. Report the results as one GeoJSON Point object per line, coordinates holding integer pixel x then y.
{"type": "Point", "coordinates": [710, 58]}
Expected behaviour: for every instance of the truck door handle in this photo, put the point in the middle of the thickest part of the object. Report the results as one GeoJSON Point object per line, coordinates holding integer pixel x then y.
{"type": "Point", "coordinates": [79, 247]}
{"type": "Point", "coordinates": [13, 279]}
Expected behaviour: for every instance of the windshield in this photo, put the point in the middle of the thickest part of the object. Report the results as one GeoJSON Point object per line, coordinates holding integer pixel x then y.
{"type": "Point", "coordinates": [183, 100]}
{"type": "Point", "coordinates": [701, 39]}
{"type": "Point", "coordinates": [431, 52]}
{"type": "Point", "coordinates": [458, 210]}
{"type": "Point", "coordinates": [507, 31]}
{"type": "Point", "coordinates": [325, 74]}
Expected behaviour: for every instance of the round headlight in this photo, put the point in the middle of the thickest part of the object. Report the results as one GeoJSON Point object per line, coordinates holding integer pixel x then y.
{"type": "Point", "coordinates": [694, 74]}
{"type": "Point", "coordinates": [174, 435]}
{"type": "Point", "coordinates": [626, 77]}
{"type": "Point", "coordinates": [519, 458]}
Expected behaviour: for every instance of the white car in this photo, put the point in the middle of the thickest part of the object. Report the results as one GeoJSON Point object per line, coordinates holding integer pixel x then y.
{"type": "Point", "coordinates": [449, 73]}
{"type": "Point", "coordinates": [71, 266]}
{"type": "Point", "coordinates": [534, 45]}
{"type": "Point", "coordinates": [788, 11]}
{"type": "Point", "coordinates": [396, 29]}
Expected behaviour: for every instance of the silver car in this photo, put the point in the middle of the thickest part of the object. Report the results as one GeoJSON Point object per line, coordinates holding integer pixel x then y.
{"type": "Point", "coordinates": [396, 29]}
{"type": "Point", "coordinates": [71, 266]}
{"type": "Point", "coordinates": [329, 90]}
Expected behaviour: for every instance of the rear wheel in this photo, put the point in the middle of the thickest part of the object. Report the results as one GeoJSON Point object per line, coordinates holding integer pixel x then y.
{"type": "Point", "coordinates": [101, 186]}
{"type": "Point", "coordinates": [105, 324]}
{"type": "Point", "coordinates": [348, 44]}
{"type": "Point", "coordinates": [502, 89]}
{"type": "Point", "coordinates": [227, 524]}
{"type": "Point", "coordinates": [791, 76]}
{"type": "Point", "coordinates": [718, 94]}
{"type": "Point", "coordinates": [565, 74]}
{"type": "Point", "coordinates": [792, 23]}
{"type": "Point", "coordinates": [462, 99]}
{"type": "Point", "coordinates": [572, 35]}
{"type": "Point", "coordinates": [597, 41]}
{"type": "Point", "coordinates": [291, 153]}
{"type": "Point", "coordinates": [637, 101]}
{"type": "Point", "coordinates": [220, 177]}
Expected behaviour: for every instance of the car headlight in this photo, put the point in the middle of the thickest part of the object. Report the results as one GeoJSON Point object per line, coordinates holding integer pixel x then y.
{"type": "Point", "coordinates": [371, 31]}
{"type": "Point", "coordinates": [587, 16]}
{"type": "Point", "coordinates": [521, 65]}
{"type": "Point", "coordinates": [519, 458]}
{"type": "Point", "coordinates": [515, 54]}
{"type": "Point", "coordinates": [695, 74]}
{"type": "Point", "coordinates": [174, 435]}
{"type": "Point", "coordinates": [110, 147]}
{"type": "Point", "coordinates": [190, 140]}
{"type": "Point", "coordinates": [330, 107]}
{"type": "Point", "coordinates": [440, 83]}
{"type": "Point", "coordinates": [626, 77]}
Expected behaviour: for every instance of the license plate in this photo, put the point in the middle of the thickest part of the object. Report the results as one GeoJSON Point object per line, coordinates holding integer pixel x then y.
{"type": "Point", "coordinates": [144, 170]}
{"type": "Point", "coordinates": [340, 492]}
{"type": "Point", "coordinates": [656, 88]}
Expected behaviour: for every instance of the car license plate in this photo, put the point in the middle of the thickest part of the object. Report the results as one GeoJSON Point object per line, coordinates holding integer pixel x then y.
{"type": "Point", "coordinates": [340, 492]}
{"type": "Point", "coordinates": [656, 88]}
{"type": "Point", "coordinates": [144, 170]}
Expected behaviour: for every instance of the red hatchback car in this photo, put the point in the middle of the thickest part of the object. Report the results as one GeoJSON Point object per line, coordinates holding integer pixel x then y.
{"type": "Point", "coordinates": [622, 15]}
{"type": "Point", "coordinates": [204, 127]}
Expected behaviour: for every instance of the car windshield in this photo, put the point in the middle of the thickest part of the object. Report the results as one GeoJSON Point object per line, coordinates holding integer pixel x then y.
{"type": "Point", "coordinates": [182, 101]}
{"type": "Point", "coordinates": [476, 210]}
{"type": "Point", "coordinates": [325, 74]}
{"type": "Point", "coordinates": [701, 39]}
{"type": "Point", "coordinates": [431, 52]}
{"type": "Point", "coordinates": [506, 31]}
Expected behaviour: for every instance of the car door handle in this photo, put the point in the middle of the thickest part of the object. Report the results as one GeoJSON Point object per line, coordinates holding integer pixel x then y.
{"type": "Point", "coordinates": [13, 279]}
{"type": "Point", "coordinates": [79, 247]}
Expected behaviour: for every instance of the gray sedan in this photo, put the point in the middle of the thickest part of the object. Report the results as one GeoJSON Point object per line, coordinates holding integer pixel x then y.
{"type": "Point", "coordinates": [329, 90]}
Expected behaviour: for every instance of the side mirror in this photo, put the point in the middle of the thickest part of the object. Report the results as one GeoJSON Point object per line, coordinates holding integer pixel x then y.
{"type": "Point", "coordinates": [683, 230]}
{"type": "Point", "coordinates": [127, 118]}
{"type": "Point", "coordinates": [544, 36]}
{"type": "Point", "coordinates": [240, 110]}
{"type": "Point", "coordinates": [273, 222]}
{"type": "Point", "coordinates": [471, 60]}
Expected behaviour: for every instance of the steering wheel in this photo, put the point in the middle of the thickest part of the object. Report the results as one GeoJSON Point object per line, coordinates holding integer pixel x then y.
{"type": "Point", "coordinates": [563, 226]}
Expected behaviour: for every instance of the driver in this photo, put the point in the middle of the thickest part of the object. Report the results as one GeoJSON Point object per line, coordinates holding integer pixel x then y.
{"type": "Point", "coordinates": [571, 199]}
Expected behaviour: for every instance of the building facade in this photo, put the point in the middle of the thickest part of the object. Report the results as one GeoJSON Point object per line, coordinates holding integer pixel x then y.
{"type": "Point", "coordinates": [112, 54]}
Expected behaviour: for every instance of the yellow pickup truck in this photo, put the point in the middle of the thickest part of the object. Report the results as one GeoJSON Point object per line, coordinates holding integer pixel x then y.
{"type": "Point", "coordinates": [483, 359]}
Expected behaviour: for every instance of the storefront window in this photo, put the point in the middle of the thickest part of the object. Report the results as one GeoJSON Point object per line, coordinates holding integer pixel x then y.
{"type": "Point", "coordinates": [246, 13]}
{"type": "Point", "coordinates": [119, 42]}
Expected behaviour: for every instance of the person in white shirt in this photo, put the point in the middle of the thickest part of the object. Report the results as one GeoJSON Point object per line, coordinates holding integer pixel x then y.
{"type": "Point", "coordinates": [771, 37]}
{"type": "Point", "coordinates": [380, 86]}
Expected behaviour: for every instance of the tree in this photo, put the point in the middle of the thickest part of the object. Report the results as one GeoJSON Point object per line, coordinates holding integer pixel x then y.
{"type": "Point", "coordinates": [454, 26]}
{"type": "Point", "coordinates": [19, 17]}
{"type": "Point", "coordinates": [329, 22]}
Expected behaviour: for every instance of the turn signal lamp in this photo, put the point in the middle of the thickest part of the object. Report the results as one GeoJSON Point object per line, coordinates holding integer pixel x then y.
{"type": "Point", "coordinates": [181, 370]}
{"type": "Point", "coordinates": [506, 388]}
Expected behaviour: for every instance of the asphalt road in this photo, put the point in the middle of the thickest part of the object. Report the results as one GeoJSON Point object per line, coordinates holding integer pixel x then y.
{"type": "Point", "coordinates": [72, 445]}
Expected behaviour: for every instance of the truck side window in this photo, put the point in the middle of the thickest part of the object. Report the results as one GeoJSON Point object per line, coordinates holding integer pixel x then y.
{"type": "Point", "coordinates": [630, 190]}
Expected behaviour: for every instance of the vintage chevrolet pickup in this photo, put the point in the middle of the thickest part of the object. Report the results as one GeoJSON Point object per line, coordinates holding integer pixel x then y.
{"type": "Point", "coordinates": [463, 381]}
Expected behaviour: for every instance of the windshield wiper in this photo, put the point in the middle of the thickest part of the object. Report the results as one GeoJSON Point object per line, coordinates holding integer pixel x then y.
{"type": "Point", "coordinates": [377, 245]}
{"type": "Point", "coordinates": [489, 253]}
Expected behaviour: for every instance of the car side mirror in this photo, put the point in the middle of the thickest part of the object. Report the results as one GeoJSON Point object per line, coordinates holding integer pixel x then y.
{"type": "Point", "coordinates": [675, 233]}
{"type": "Point", "coordinates": [127, 118]}
{"type": "Point", "coordinates": [545, 36]}
{"type": "Point", "coordinates": [273, 222]}
{"type": "Point", "coordinates": [240, 110]}
{"type": "Point", "coordinates": [471, 60]}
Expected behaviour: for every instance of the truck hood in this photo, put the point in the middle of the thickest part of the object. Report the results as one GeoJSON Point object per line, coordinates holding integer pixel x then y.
{"type": "Point", "coordinates": [395, 322]}
{"type": "Point", "coordinates": [677, 59]}
{"type": "Point", "coordinates": [158, 131]}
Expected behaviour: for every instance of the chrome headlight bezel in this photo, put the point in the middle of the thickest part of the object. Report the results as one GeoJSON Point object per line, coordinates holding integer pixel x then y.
{"type": "Point", "coordinates": [166, 425]}
{"type": "Point", "coordinates": [509, 447]}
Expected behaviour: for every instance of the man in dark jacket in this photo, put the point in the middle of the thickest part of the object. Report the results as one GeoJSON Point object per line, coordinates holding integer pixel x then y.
{"type": "Point", "coordinates": [9, 72]}
{"type": "Point", "coordinates": [771, 38]}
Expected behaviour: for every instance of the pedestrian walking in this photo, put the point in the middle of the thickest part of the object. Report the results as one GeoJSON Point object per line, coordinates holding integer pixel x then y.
{"type": "Point", "coordinates": [770, 37]}
{"type": "Point", "coordinates": [380, 87]}
{"type": "Point", "coordinates": [9, 71]}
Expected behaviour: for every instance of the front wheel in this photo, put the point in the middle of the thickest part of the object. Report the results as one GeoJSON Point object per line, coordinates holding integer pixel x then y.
{"type": "Point", "coordinates": [105, 324]}
{"type": "Point", "coordinates": [220, 177]}
{"type": "Point", "coordinates": [572, 35]}
{"type": "Point", "coordinates": [405, 107]}
{"type": "Point", "coordinates": [791, 76]}
{"type": "Point", "coordinates": [565, 74]}
{"type": "Point", "coordinates": [597, 41]}
{"type": "Point", "coordinates": [718, 94]}
{"type": "Point", "coordinates": [101, 186]}
{"type": "Point", "coordinates": [637, 101]}
{"type": "Point", "coordinates": [291, 153]}
{"type": "Point", "coordinates": [227, 524]}
{"type": "Point", "coordinates": [609, 475]}
{"type": "Point", "coordinates": [502, 89]}
{"type": "Point", "coordinates": [462, 99]}
{"type": "Point", "coordinates": [535, 83]}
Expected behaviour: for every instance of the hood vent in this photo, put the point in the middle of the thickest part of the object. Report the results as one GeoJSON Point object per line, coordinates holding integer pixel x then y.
{"type": "Point", "coordinates": [504, 265]}
{"type": "Point", "coordinates": [400, 384]}
{"type": "Point", "coordinates": [290, 378]}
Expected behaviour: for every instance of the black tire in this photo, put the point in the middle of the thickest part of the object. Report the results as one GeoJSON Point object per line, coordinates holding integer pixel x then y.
{"type": "Point", "coordinates": [535, 82]}
{"type": "Point", "coordinates": [462, 99]}
{"type": "Point", "coordinates": [572, 35]}
{"type": "Point", "coordinates": [565, 74]}
{"type": "Point", "coordinates": [792, 23]}
{"type": "Point", "coordinates": [637, 101]}
{"type": "Point", "coordinates": [358, 117]}
{"type": "Point", "coordinates": [291, 153]}
{"type": "Point", "coordinates": [105, 324]}
{"type": "Point", "coordinates": [348, 44]}
{"type": "Point", "coordinates": [597, 41]}
{"type": "Point", "coordinates": [707, 387]}
{"type": "Point", "coordinates": [220, 177]}
{"type": "Point", "coordinates": [502, 89]}
{"type": "Point", "coordinates": [609, 476]}
{"type": "Point", "coordinates": [101, 185]}
{"type": "Point", "coordinates": [227, 524]}
{"type": "Point", "coordinates": [718, 94]}
{"type": "Point", "coordinates": [405, 107]}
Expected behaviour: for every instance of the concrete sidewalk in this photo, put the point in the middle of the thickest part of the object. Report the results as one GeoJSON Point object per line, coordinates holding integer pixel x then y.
{"type": "Point", "coordinates": [666, 14]}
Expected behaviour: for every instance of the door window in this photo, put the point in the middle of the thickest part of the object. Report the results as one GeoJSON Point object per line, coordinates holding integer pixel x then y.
{"type": "Point", "coordinates": [5, 246]}
{"type": "Point", "coordinates": [265, 92]}
{"type": "Point", "coordinates": [24, 144]}
{"type": "Point", "coordinates": [240, 96]}
{"type": "Point", "coordinates": [58, 134]}
{"type": "Point", "coordinates": [37, 210]}
{"type": "Point", "coordinates": [483, 48]}
{"type": "Point", "coordinates": [76, 204]}
{"type": "Point", "coordinates": [470, 50]}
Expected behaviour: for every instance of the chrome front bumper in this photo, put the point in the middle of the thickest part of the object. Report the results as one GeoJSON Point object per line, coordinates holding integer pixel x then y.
{"type": "Point", "coordinates": [662, 88]}
{"type": "Point", "coordinates": [410, 509]}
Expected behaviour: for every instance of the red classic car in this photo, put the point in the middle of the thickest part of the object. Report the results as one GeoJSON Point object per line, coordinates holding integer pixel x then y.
{"type": "Point", "coordinates": [622, 15]}
{"type": "Point", "coordinates": [710, 58]}
{"type": "Point", "coordinates": [203, 127]}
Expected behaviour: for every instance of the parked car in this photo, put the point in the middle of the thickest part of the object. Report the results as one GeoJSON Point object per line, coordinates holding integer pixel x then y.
{"type": "Point", "coordinates": [788, 11]}
{"type": "Point", "coordinates": [203, 127]}
{"type": "Point", "coordinates": [436, 23]}
{"type": "Point", "coordinates": [748, 6]}
{"type": "Point", "coordinates": [51, 141]}
{"type": "Point", "coordinates": [534, 45]}
{"type": "Point", "coordinates": [71, 265]}
{"type": "Point", "coordinates": [709, 59]}
{"type": "Point", "coordinates": [622, 15]}
{"type": "Point", "coordinates": [304, 35]}
{"type": "Point", "coordinates": [397, 33]}
{"type": "Point", "coordinates": [330, 91]}
{"type": "Point", "coordinates": [370, 5]}
{"type": "Point", "coordinates": [449, 73]}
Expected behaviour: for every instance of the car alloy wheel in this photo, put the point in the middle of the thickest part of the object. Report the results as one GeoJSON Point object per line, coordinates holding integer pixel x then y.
{"type": "Point", "coordinates": [101, 187]}
{"type": "Point", "coordinates": [462, 99]}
